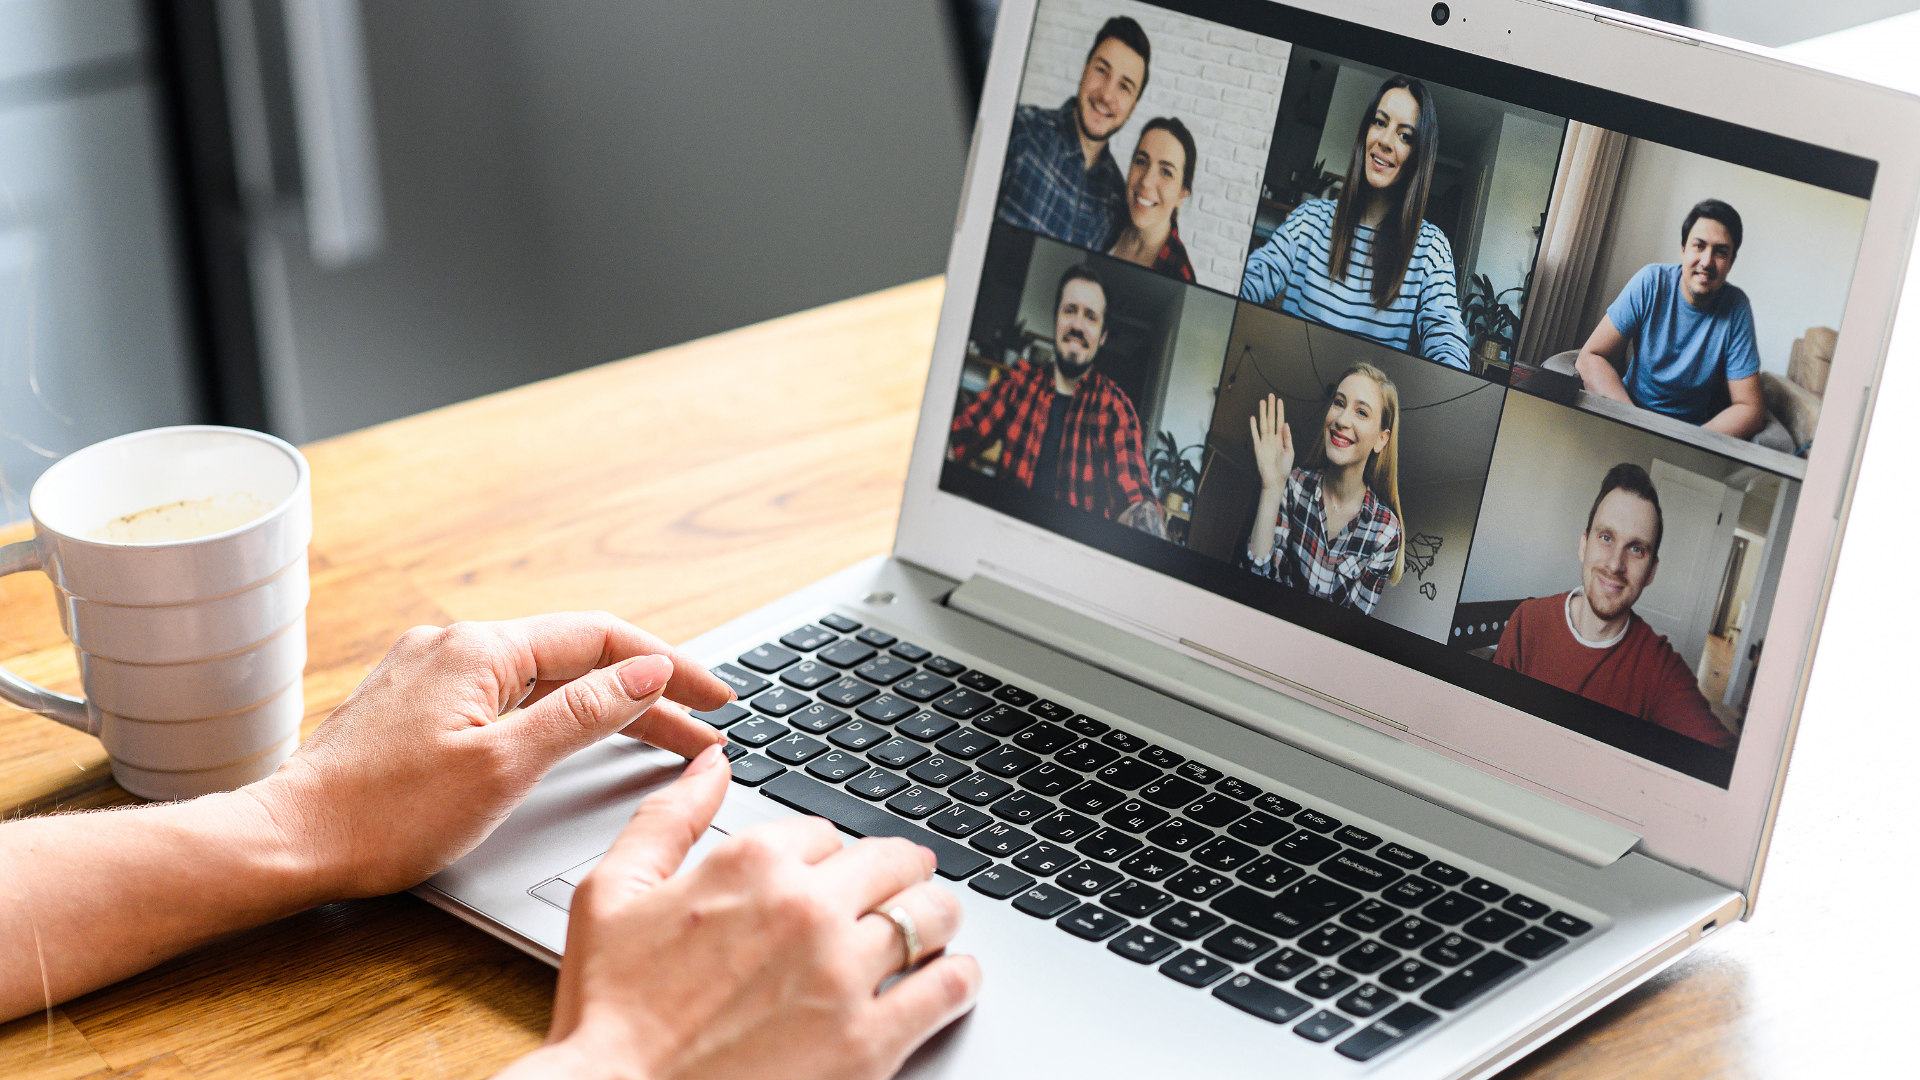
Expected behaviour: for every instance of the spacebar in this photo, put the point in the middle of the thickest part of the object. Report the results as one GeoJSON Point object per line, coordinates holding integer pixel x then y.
{"type": "Point", "coordinates": [810, 796]}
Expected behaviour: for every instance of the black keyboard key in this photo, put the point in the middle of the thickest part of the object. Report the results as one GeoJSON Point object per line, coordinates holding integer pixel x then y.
{"type": "Point", "coordinates": [999, 840]}
{"type": "Point", "coordinates": [1064, 826]}
{"type": "Point", "coordinates": [1092, 797]}
{"type": "Point", "coordinates": [1298, 908]}
{"type": "Point", "coordinates": [1238, 945]}
{"type": "Point", "coordinates": [911, 653]}
{"type": "Point", "coordinates": [884, 709]}
{"type": "Point", "coordinates": [1086, 756]}
{"type": "Point", "coordinates": [808, 675]}
{"type": "Point", "coordinates": [1135, 898]}
{"type": "Point", "coordinates": [1327, 939]}
{"type": "Point", "coordinates": [917, 802]}
{"type": "Point", "coordinates": [979, 789]}
{"type": "Point", "coordinates": [1285, 964]}
{"type": "Point", "coordinates": [1050, 710]}
{"type": "Point", "coordinates": [807, 638]}
{"type": "Point", "coordinates": [1134, 816]}
{"type": "Point", "coordinates": [1264, 1000]}
{"type": "Point", "coordinates": [882, 670]}
{"type": "Point", "coordinates": [733, 750]}
{"type": "Point", "coordinates": [848, 691]}
{"type": "Point", "coordinates": [1002, 721]}
{"type": "Point", "coordinates": [939, 770]}
{"type": "Point", "coordinates": [1276, 805]}
{"type": "Point", "coordinates": [817, 718]}
{"type": "Point", "coordinates": [796, 749]}
{"type": "Point", "coordinates": [1044, 859]}
{"type": "Point", "coordinates": [1534, 943]}
{"type": "Point", "coordinates": [979, 680]}
{"type": "Point", "coordinates": [1306, 848]}
{"type": "Point", "coordinates": [1360, 871]}
{"type": "Point", "coordinates": [1451, 951]}
{"type": "Point", "coordinates": [923, 685]}
{"type": "Point", "coordinates": [898, 753]}
{"type": "Point", "coordinates": [1402, 856]}
{"type": "Point", "coordinates": [1322, 1026]}
{"type": "Point", "coordinates": [1082, 724]}
{"type": "Point", "coordinates": [1366, 999]}
{"type": "Point", "coordinates": [877, 637]}
{"type": "Point", "coordinates": [1367, 958]}
{"type": "Point", "coordinates": [1152, 864]}
{"type": "Point", "coordinates": [1413, 891]}
{"type": "Point", "coordinates": [745, 683]}
{"type": "Point", "coordinates": [1409, 975]}
{"type": "Point", "coordinates": [1000, 882]}
{"type": "Point", "coordinates": [1524, 906]}
{"type": "Point", "coordinates": [754, 770]}
{"type": "Point", "coordinates": [1402, 1023]}
{"type": "Point", "coordinates": [1269, 874]}
{"type": "Point", "coordinates": [1492, 926]}
{"type": "Point", "coordinates": [758, 731]}
{"type": "Point", "coordinates": [944, 666]}
{"type": "Point", "coordinates": [1172, 792]}
{"type": "Point", "coordinates": [1088, 878]}
{"type": "Point", "coordinates": [1050, 780]}
{"type": "Point", "coordinates": [1198, 773]}
{"type": "Point", "coordinates": [1128, 774]}
{"type": "Point", "coordinates": [1465, 986]}
{"type": "Point", "coordinates": [926, 726]}
{"type": "Point", "coordinates": [1566, 924]}
{"type": "Point", "coordinates": [1044, 901]}
{"type": "Point", "coordinates": [957, 820]}
{"type": "Point", "coordinates": [1358, 838]}
{"type": "Point", "coordinates": [839, 622]}
{"type": "Point", "coordinates": [1445, 874]}
{"type": "Point", "coordinates": [876, 784]}
{"type": "Point", "coordinates": [1179, 834]}
{"type": "Point", "coordinates": [730, 713]}
{"type": "Point", "coordinates": [1324, 982]}
{"type": "Point", "coordinates": [1224, 854]}
{"type": "Point", "coordinates": [1215, 810]}
{"type": "Point", "coordinates": [1142, 946]}
{"type": "Point", "coordinates": [1259, 829]}
{"type": "Point", "coordinates": [780, 701]}
{"type": "Point", "coordinates": [1005, 761]}
{"type": "Point", "coordinates": [1411, 932]}
{"type": "Point", "coordinates": [864, 819]}
{"type": "Point", "coordinates": [1124, 742]}
{"type": "Point", "coordinates": [1193, 968]}
{"type": "Point", "coordinates": [1042, 739]}
{"type": "Point", "coordinates": [1187, 922]}
{"type": "Point", "coordinates": [767, 659]}
{"type": "Point", "coordinates": [1486, 891]}
{"type": "Point", "coordinates": [1016, 696]}
{"type": "Point", "coordinates": [963, 703]}
{"type": "Point", "coordinates": [1162, 757]}
{"type": "Point", "coordinates": [1237, 788]}
{"type": "Point", "coordinates": [1452, 908]}
{"type": "Point", "coordinates": [846, 654]}
{"type": "Point", "coordinates": [1197, 883]}
{"type": "Point", "coordinates": [1371, 915]}
{"type": "Point", "coordinates": [1315, 820]}
{"type": "Point", "coordinates": [1022, 807]}
{"type": "Point", "coordinates": [1107, 845]}
{"type": "Point", "coordinates": [858, 735]}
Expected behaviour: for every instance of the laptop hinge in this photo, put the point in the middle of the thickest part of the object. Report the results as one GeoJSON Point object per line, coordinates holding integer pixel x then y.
{"type": "Point", "coordinates": [1193, 674]}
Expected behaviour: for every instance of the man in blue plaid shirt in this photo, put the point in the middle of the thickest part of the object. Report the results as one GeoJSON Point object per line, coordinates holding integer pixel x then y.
{"type": "Point", "coordinates": [1061, 179]}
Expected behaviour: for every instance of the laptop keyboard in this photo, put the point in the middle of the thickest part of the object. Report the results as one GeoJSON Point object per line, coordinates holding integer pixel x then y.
{"type": "Point", "coordinates": [1281, 909]}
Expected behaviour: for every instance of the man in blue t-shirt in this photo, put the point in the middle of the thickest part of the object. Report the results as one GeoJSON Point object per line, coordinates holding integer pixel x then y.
{"type": "Point", "coordinates": [1694, 356]}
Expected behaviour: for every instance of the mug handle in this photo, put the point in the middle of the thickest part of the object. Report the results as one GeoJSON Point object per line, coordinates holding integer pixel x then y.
{"type": "Point", "coordinates": [14, 690]}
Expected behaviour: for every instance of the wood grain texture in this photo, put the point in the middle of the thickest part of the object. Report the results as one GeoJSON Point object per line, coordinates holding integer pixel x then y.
{"type": "Point", "coordinates": [677, 490]}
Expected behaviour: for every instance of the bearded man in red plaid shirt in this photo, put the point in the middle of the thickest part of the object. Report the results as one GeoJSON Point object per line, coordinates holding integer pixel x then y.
{"type": "Point", "coordinates": [1064, 429]}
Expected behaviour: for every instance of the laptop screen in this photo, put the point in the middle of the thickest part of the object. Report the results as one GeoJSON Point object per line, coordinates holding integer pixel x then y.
{"type": "Point", "coordinates": [1503, 378]}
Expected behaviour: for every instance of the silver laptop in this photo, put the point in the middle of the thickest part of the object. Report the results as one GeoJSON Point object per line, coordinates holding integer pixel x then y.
{"type": "Point", "coordinates": [1369, 524]}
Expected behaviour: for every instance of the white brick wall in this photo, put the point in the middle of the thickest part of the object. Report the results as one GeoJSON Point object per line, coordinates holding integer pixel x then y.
{"type": "Point", "coordinates": [1224, 84]}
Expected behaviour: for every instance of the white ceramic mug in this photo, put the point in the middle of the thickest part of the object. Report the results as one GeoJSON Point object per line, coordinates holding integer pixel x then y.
{"type": "Point", "coordinates": [191, 651]}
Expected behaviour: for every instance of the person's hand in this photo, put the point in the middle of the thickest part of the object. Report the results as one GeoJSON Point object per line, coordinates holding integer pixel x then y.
{"type": "Point", "coordinates": [762, 961]}
{"type": "Point", "coordinates": [1272, 443]}
{"type": "Point", "coordinates": [422, 762]}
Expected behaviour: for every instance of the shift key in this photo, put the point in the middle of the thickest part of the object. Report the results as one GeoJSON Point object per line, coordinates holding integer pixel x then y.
{"type": "Point", "coordinates": [862, 818]}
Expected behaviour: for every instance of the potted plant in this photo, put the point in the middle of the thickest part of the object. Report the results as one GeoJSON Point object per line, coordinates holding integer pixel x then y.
{"type": "Point", "coordinates": [1493, 326]}
{"type": "Point", "coordinates": [1173, 472]}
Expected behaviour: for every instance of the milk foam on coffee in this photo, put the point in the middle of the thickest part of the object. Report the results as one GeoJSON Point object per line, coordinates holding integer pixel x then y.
{"type": "Point", "coordinates": [188, 519]}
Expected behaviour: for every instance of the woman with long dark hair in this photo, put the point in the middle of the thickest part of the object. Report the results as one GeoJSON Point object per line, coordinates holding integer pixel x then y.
{"type": "Point", "coordinates": [1158, 183]}
{"type": "Point", "coordinates": [1370, 263]}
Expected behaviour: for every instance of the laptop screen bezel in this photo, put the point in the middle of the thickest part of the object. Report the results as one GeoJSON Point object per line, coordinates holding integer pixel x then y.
{"type": "Point", "coordinates": [1690, 823]}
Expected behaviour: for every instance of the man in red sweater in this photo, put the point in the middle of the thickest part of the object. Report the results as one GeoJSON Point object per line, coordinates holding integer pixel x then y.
{"type": "Point", "coordinates": [1589, 640]}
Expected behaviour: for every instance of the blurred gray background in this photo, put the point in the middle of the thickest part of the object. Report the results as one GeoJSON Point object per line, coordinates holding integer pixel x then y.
{"type": "Point", "coordinates": [309, 216]}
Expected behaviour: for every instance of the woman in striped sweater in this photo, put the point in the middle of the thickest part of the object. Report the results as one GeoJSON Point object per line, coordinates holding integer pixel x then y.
{"type": "Point", "coordinates": [1370, 263]}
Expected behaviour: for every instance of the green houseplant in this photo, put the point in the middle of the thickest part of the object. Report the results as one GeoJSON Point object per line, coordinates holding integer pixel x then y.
{"type": "Point", "coordinates": [1492, 324]}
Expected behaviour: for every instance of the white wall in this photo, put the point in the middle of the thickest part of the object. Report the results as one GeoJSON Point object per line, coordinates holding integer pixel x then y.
{"type": "Point", "coordinates": [1193, 377]}
{"type": "Point", "coordinates": [1778, 22]}
{"type": "Point", "coordinates": [1445, 511]}
{"type": "Point", "coordinates": [1795, 262]}
{"type": "Point", "coordinates": [1223, 84]}
{"type": "Point", "coordinates": [1523, 166]}
{"type": "Point", "coordinates": [1353, 90]}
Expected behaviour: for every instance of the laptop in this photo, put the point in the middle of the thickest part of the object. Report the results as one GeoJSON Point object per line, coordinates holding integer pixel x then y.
{"type": "Point", "coordinates": [1379, 481]}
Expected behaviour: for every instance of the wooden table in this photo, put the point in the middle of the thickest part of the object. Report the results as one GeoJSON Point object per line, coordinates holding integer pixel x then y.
{"type": "Point", "coordinates": [678, 489]}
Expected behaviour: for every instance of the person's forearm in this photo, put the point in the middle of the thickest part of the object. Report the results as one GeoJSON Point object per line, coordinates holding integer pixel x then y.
{"type": "Point", "coordinates": [89, 899]}
{"type": "Point", "coordinates": [1599, 377]}
{"type": "Point", "coordinates": [1260, 544]}
{"type": "Point", "coordinates": [1740, 420]}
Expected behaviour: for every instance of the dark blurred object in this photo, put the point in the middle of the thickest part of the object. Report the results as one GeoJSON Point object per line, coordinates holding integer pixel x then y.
{"type": "Point", "coordinates": [973, 35]}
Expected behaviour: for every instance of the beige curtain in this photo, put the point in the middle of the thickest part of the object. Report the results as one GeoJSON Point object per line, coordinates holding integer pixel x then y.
{"type": "Point", "coordinates": [1590, 163]}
